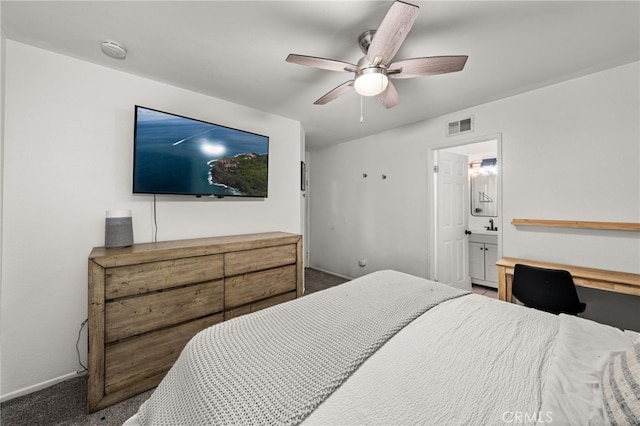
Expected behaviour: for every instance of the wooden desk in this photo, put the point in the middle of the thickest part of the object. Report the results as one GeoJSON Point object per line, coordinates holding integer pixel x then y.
{"type": "Point", "coordinates": [619, 282]}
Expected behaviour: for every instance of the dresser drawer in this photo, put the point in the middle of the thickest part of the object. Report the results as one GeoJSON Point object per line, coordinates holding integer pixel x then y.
{"type": "Point", "coordinates": [261, 304]}
{"type": "Point", "coordinates": [137, 364]}
{"type": "Point", "coordinates": [249, 288]}
{"type": "Point", "coordinates": [136, 315]}
{"type": "Point", "coordinates": [145, 277]}
{"type": "Point", "coordinates": [241, 262]}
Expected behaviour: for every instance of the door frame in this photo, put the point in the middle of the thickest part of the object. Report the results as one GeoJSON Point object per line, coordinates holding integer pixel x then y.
{"type": "Point", "coordinates": [432, 209]}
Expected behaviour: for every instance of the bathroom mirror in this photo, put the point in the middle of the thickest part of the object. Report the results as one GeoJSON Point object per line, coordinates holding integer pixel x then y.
{"type": "Point", "coordinates": [484, 188]}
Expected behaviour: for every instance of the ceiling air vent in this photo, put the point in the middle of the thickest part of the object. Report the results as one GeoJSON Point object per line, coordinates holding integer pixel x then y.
{"type": "Point", "coordinates": [464, 125]}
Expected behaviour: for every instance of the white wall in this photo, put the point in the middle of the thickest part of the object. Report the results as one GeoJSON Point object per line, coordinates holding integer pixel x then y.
{"type": "Point", "coordinates": [3, 42]}
{"type": "Point", "coordinates": [355, 217]}
{"type": "Point", "coordinates": [68, 157]}
{"type": "Point", "coordinates": [569, 151]}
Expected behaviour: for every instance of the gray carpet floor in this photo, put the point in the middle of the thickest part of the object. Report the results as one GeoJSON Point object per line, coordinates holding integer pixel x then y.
{"type": "Point", "coordinates": [65, 403]}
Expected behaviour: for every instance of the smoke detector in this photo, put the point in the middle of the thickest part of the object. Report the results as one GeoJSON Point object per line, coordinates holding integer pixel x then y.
{"type": "Point", "coordinates": [114, 49]}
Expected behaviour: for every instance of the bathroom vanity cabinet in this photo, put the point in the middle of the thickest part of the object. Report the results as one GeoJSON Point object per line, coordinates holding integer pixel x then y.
{"type": "Point", "coordinates": [483, 255]}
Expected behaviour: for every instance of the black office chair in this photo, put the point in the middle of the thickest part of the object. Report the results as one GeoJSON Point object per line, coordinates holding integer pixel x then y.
{"type": "Point", "coordinates": [549, 290]}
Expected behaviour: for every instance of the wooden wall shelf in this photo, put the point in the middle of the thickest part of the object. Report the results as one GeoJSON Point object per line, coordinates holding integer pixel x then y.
{"type": "Point", "coordinates": [618, 226]}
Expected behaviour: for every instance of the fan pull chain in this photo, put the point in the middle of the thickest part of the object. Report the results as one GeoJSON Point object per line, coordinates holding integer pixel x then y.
{"type": "Point", "coordinates": [361, 113]}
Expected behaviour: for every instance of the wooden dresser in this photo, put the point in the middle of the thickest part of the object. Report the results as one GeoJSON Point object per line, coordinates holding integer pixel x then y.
{"type": "Point", "coordinates": [146, 301]}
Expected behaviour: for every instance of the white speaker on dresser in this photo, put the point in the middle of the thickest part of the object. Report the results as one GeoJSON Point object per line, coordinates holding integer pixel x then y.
{"type": "Point", "coordinates": [118, 229]}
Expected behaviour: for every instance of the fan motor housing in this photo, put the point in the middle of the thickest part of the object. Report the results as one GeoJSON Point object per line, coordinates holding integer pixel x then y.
{"type": "Point", "coordinates": [365, 40]}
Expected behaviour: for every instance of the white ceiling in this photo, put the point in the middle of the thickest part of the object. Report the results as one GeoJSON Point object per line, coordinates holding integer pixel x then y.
{"type": "Point", "coordinates": [236, 50]}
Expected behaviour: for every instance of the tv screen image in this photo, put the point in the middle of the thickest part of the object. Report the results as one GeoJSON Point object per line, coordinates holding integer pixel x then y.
{"type": "Point", "coordinates": [180, 155]}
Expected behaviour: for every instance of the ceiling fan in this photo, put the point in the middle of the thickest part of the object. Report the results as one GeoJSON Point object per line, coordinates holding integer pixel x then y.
{"type": "Point", "coordinates": [372, 72]}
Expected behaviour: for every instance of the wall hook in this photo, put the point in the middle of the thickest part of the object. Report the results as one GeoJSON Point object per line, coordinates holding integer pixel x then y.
{"type": "Point", "coordinates": [384, 177]}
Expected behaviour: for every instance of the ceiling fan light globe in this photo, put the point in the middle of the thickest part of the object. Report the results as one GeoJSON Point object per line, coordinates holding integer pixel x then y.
{"type": "Point", "coordinates": [371, 83]}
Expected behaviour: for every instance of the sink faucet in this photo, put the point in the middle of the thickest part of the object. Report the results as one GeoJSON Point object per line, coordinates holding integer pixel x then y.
{"type": "Point", "coordinates": [490, 228]}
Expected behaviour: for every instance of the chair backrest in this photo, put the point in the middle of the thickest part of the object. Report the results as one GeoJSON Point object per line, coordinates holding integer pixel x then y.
{"type": "Point", "coordinates": [550, 290]}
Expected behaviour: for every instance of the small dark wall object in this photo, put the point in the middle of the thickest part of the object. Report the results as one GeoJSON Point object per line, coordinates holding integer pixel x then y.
{"type": "Point", "coordinates": [549, 290]}
{"type": "Point", "coordinates": [303, 176]}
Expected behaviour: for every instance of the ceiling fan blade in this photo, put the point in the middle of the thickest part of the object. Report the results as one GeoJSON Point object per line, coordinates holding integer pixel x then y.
{"type": "Point", "coordinates": [433, 65]}
{"type": "Point", "coordinates": [389, 98]}
{"type": "Point", "coordinates": [331, 95]}
{"type": "Point", "coordinates": [325, 64]}
{"type": "Point", "coordinates": [392, 31]}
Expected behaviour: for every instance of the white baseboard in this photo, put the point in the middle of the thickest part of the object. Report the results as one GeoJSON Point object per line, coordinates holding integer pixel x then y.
{"type": "Point", "coordinates": [39, 386]}
{"type": "Point", "coordinates": [330, 273]}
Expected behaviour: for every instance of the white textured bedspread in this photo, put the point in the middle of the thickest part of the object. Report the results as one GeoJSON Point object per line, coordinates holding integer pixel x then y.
{"type": "Point", "coordinates": [277, 365]}
{"type": "Point", "coordinates": [468, 361]}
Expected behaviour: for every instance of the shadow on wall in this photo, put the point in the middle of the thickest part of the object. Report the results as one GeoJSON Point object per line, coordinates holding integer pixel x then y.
{"type": "Point", "coordinates": [615, 309]}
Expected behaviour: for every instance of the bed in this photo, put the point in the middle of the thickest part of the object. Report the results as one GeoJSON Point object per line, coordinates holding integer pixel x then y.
{"type": "Point", "coordinates": [391, 348]}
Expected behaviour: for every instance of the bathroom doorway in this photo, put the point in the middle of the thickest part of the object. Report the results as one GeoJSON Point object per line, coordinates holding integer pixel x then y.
{"type": "Point", "coordinates": [467, 233]}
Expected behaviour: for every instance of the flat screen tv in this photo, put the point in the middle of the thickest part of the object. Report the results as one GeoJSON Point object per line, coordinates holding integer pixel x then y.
{"type": "Point", "coordinates": [180, 155]}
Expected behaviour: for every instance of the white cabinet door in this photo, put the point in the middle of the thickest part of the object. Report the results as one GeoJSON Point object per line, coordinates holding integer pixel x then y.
{"type": "Point", "coordinates": [482, 263]}
{"type": "Point", "coordinates": [476, 261]}
{"type": "Point", "coordinates": [490, 259]}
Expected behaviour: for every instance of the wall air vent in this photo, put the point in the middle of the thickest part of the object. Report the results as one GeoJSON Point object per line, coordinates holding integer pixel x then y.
{"type": "Point", "coordinates": [464, 125]}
